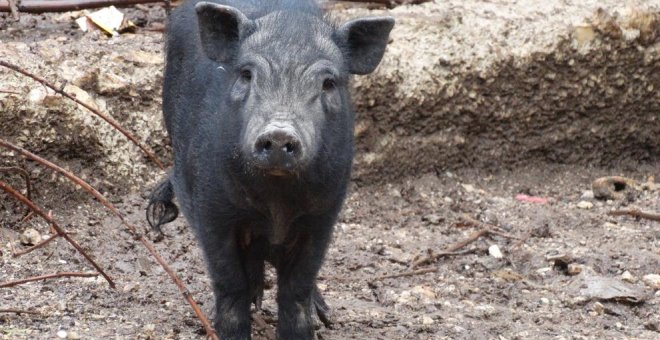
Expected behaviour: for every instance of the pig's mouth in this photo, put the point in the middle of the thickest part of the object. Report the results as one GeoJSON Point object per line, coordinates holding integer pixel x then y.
{"type": "Point", "coordinates": [279, 173]}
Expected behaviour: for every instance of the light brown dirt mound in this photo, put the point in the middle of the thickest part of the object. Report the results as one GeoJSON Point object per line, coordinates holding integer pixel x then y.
{"type": "Point", "coordinates": [484, 83]}
{"type": "Point", "coordinates": [462, 84]}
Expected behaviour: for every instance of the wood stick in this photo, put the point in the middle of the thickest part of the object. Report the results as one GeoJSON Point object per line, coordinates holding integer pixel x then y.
{"type": "Point", "coordinates": [410, 273]}
{"type": "Point", "coordinates": [18, 311]}
{"type": "Point", "coordinates": [635, 213]}
{"type": "Point", "coordinates": [36, 246]}
{"type": "Point", "coordinates": [45, 277]}
{"type": "Point", "coordinates": [45, 6]}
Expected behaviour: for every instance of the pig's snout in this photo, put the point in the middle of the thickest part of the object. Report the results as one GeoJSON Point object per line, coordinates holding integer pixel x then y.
{"type": "Point", "coordinates": [278, 151]}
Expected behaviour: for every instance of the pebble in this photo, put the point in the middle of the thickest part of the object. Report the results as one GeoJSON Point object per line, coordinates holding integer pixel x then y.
{"type": "Point", "coordinates": [62, 334]}
{"type": "Point", "coordinates": [427, 320]}
{"type": "Point", "coordinates": [609, 225]}
{"type": "Point", "coordinates": [30, 237]}
{"type": "Point", "coordinates": [599, 308]}
{"type": "Point", "coordinates": [545, 301]}
{"type": "Point", "coordinates": [585, 205]}
{"type": "Point", "coordinates": [37, 95]}
{"type": "Point", "coordinates": [626, 276]}
{"type": "Point", "coordinates": [433, 218]}
{"type": "Point", "coordinates": [495, 252]}
{"type": "Point", "coordinates": [422, 291]}
{"type": "Point", "coordinates": [652, 280]}
{"type": "Point", "coordinates": [468, 187]}
{"type": "Point", "coordinates": [73, 335]}
{"type": "Point", "coordinates": [587, 195]}
{"type": "Point", "coordinates": [574, 269]}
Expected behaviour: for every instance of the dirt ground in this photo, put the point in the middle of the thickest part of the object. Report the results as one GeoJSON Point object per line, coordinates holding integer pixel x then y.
{"type": "Point", "coordinates": [381, 231]}
{"type": "Point", "coordinates": [570, 272]}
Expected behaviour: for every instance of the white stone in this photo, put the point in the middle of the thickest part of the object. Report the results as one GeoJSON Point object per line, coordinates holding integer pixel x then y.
{"type": "Point", "coordinates": [652, 280]}
{"type": "Point", "coordinates": [585, 205]}
{"type": "Point", "coordinates": [495, 252]}
{"type": "Point", "coordinates": [587, 195]}
{"type": "Point", "coordinates": [427, 320]}
{"type": "Point", "coordinates": [626, 276]}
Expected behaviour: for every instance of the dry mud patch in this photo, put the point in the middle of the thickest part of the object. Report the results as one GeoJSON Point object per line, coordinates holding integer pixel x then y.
{"type": "Point", "coordinates": [381, 231]}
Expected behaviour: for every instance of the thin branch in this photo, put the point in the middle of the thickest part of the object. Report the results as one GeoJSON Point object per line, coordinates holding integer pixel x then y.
{"type": "Point", "coordinates": [44, 6]}
{"type": "Point", "coordinates": [150, 248]}
{"type": "Point", "coordinates": [410, 273]}
{"type": "Point", "coordinates": [28, 184]}
{"type": "Point", "coordinates": [45, 277]}
{"type": "Point", "coordinates": [11, 191]}
{"type": "Point", "coordinates": [36, 246]}
{"type": "Point", "coordinates": [9, 91]}
{"type": "Point", "coordinates": [635, 213]}
{"type": "Point", "coordinates": [18, 311]}
{"type": "Point", "coordinates": [486, 229]}
{"type": "Point", "coordinates": [98, 113]}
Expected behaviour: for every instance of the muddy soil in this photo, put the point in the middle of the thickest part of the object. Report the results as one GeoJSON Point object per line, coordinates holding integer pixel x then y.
{"type": "Point", "coordinates": [382, 230]}
{"type": "Point", "coordinates": [538, 288]}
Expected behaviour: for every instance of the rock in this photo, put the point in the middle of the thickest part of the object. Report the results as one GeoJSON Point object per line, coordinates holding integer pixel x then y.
{"type": "Point", "coordinates": [495, 252]}
{"type": "Point", "coordinates": [81, 95]}
{"type": "Point", "coordinates": [433, 218]}
{"type": "Point", "coordinates": [111, 84]}
{"type": "Point", "coordinates": [143, 58]}
{"type": "Point", "coordinates": [598, 308]}
{"type": "Point", "coordinates": [545, 301]}
{"type": "Point", "coordinates": [30, 237]}
{"type": "Point", "coordinates": [424, 292]}
{"type": "Point", "coordinates": [62, 334]}
{"type": "Point", "coordinates": [426, 320]}
{"type": "Point", "coordinates": [468, 187]}
{"type": "Point", "coordinates": [613, 187]}
{"type": "Point", "coordinates": [652, 280]}
{"type": "Point", "coordinates": [585, 205]}
{"type": "Point", "coordinates": [587, 195]}
{"type": "Point", "coordinates": [626, 276]}
{"type": "Point", "coordinates": [73, 335]}
{"type": "Point", "coordinates": [609, 225]}
{"type": "Point", "coordinates": [37, 95]}
{"type": "Point", "coordinates": [574, 268]}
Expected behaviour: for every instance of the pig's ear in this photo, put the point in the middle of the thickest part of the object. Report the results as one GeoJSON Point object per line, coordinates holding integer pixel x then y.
{"type": "Point", "coordinates": [365, 40]}
{"type": "Point", "coordinates": [220, 29]}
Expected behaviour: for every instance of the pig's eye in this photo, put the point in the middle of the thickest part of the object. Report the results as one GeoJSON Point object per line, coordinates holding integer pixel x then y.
{"type": "Point", "coordinates": [246, 74]}
{"type": "Point", "coordinates": [329, 84]}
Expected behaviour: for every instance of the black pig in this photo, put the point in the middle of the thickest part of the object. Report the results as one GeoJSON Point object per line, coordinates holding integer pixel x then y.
{"type": "Point", "coordinates": [256, 104]}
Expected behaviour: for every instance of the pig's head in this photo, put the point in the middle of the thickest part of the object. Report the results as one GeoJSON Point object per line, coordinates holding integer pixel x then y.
{"type": "Point", "coordinates": [288, 75]}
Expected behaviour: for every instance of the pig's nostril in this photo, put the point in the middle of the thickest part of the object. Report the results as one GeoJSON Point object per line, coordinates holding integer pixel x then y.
{"type": "Point", "coordinates": [268, 145]}
{"type": "Point", "coordinates": [289, 148]}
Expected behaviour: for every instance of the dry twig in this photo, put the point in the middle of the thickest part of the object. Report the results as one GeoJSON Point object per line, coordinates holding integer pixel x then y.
{"type": "Point", "coordinates": [150, 248]}
{"type": "Point", "coordinates": [98, 113]}
{"type": "Point", "coordinates": [44, 6]}
{"type": "Point", "coordinates": [36, 246]}
{"type": "Point", "coordinates": [18, 311]}
{"type": "Point", "coordinates": [635, 213]}
{"type": "Point", "coordinates": [486, 229]}
{"type": "Point", "coordinates": [28, 185]}
{"type": "Point", "coordinates": [11, 191]}
{"type": "Point", "coordinates": [45, 277]}
{"type": "Point", "coordinates": [404, 274]}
